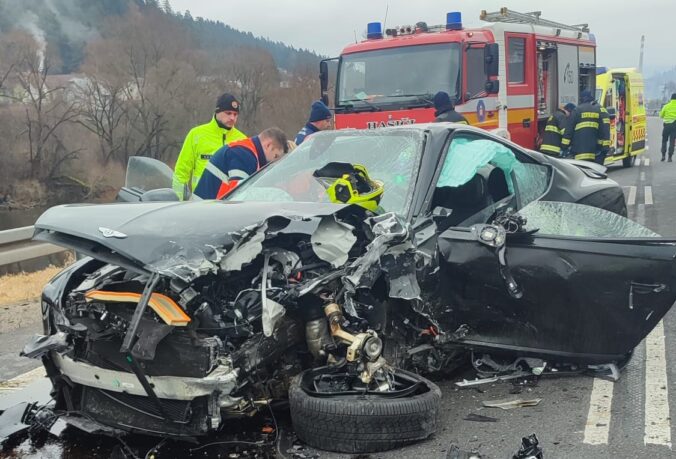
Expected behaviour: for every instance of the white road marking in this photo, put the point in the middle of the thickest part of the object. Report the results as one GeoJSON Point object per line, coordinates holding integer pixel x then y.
{"type": "Point", "coordinates": [642, 179]}
{"type": "Point", "coordinates": [640, 214]}
{"type": "Point", "coordinates": [657, 420]}
{"type": "Point", "coordinates": [631, 200]}
{"type": "Point", "coordinates": [649, 196]}
{"type": "Point", "coordinates": [21, 381]}
{"type": "Point", "coordinates": [598, 419]}
{"type": "Point", "coordinates": [646, 162]}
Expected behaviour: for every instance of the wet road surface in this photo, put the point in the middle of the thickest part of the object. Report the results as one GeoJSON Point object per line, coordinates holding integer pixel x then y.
{"type": "Point", "coordinates": [578, 416]}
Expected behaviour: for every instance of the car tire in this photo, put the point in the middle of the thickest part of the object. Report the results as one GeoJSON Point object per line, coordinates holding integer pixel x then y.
{"type": "Point", "coordinates": [629, 161]}
{"type": "Point", "coordinates": [363, 423]}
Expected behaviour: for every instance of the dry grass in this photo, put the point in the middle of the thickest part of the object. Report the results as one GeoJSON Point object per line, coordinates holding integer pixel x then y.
{"type": "Point", "coordinates": [15, 288]}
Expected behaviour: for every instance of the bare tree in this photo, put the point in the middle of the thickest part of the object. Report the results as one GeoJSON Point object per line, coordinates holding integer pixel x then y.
{"type": "Point", "coordinates": [253, 74]}
{"type": "Point", "coordinates": [46, 109]}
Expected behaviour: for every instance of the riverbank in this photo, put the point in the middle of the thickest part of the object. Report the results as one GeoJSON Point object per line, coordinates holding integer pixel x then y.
{"type": "Point", "coordinates": [24, 287]}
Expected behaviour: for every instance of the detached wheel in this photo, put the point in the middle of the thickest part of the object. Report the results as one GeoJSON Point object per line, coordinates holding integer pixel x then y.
{"type": "Point", "coordinates": [629, 161]}
{"type": "Point", "coordinates": [330, 410]}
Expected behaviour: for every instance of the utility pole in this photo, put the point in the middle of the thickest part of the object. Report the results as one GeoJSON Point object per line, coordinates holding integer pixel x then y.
{"type": "Point", "coordinates": [640, 59]}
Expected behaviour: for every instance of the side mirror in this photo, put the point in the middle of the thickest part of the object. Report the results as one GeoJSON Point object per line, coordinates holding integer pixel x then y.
{"type": "Point", "coordinates": [492, 86]}
{"type": "Point", "coordinates": [324, 81]}
{"type": "Point", "coordinates": [492, 59]}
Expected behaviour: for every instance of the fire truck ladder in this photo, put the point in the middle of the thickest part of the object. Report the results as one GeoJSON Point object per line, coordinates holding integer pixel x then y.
{"type": "Point", "coordinates": [513, 17]}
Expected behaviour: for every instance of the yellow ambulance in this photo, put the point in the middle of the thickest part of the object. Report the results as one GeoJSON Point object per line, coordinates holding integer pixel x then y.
{"type": "Point", "coordinates": [620, 91]}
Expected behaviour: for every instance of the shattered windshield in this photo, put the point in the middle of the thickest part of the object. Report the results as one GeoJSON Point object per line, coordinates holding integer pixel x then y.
{"type": "Point", "coordinates": [389, 155]}
{"type": "Point", "coordinates": [390, 75]}
{"type": "Point", "coordinates": [578, 220]}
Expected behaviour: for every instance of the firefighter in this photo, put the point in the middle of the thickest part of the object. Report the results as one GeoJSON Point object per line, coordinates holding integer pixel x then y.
{"type": "Point", "coordinates": [668, 115]}
{"type": "Point", "coordinates": [237, 161]}
{"type": "Point", "coordinates": [554, 130]}
{"type": "Point", "coordinates": [202, 141]}
{"type": "Point", "coordinates": [445, 110]}
{"type": "Point", "coordinates": [320, 119]}
{"type": "Point", "coordinates": [588, 131]}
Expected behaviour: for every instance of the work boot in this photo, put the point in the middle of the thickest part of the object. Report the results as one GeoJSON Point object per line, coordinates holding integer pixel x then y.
{"type": "Point", "coordinates": [670, 160]}
{"type": "Point", "coordinates": [663, 158]}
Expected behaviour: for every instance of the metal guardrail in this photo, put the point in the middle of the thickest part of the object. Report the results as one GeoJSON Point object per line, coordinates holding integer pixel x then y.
{"type": "Point", "coordinates": [16, 246]}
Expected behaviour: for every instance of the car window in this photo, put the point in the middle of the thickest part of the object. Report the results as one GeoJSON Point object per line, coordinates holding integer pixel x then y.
{"type": "Point", "coordinates": [390, 155]}
{"type": "Point", "coordinates": [579, 220]}
{"type": "Point", "coordinates": [480, 174]}
{"type": "Point", "coordinates": [532, 181]}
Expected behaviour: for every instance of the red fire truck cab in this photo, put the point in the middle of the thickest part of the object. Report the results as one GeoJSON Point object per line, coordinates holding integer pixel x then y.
{"type": "Point", "coordinates": [510, 75]}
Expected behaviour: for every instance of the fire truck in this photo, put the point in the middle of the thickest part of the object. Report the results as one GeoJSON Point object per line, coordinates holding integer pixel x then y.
{"type": "Point", "coordinates": [509, 75]}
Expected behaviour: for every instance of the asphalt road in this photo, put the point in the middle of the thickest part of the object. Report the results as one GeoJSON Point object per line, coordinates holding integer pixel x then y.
{"type": "Point", "coordinates": [578, 416]}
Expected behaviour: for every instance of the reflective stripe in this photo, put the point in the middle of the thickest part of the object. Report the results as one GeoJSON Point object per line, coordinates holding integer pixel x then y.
{"type": "Point", "coordinates": [589, 115]}
{"type": "Point", "coordinates": [238, 173]}
{"type": "Point", "coordinates": [587, 124]}
{"type": "Point", "coordinates": [552, 148]}
{"type": "Point", "coordinates": [604, 143]}
{"type": "Point", "coordinates": [551, 128]}
{"type": "Point", "coordinates": [606, 120]}
{"type": "Point", "coordinates": [565, 142]}
{"type": "Point", "coordinates": [584, 156]}
{"type": "Point", "coordinates": [222, 176]}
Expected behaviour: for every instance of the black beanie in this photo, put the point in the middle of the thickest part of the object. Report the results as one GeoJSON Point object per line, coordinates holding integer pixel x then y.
{"type": "Point", "coordinates": [227, 102]}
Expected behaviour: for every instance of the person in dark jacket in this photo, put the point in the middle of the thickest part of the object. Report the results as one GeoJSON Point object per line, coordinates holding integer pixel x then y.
{"type": "Point", "coordinates": [445, 110]}
{"type": "Point", "coordinates": [554, 130]}
{"type": "Point", "coordinates": [237, 161]}
{"type": "Point", "coordinates": [320, 119]}
{"type": "Point", "coordinates": [588, 132]}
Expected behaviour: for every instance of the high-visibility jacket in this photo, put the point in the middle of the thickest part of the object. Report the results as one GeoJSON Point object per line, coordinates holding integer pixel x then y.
{"type": "Point", "coordinates": [450, 116]}
{"type": "Point", "coordinates": [554, 130]}
{"type": "Point", "coordinates": [306, 131]}
{"type": "Point", "coordinates": [199, 145]}
{"type": "Point", "coordinates": [668, 112]}
{"type": "Point", "coordinates": [230, 165]}
{"type": "Point", "coordinates": [588, 131]}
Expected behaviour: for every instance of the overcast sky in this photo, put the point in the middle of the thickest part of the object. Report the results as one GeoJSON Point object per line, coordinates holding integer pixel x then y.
{"type": "Point", "coordinates": [326, 26]}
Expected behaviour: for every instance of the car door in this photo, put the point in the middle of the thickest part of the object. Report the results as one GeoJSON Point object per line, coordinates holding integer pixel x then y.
{"type": "Point", "coordinates": [589, 285]}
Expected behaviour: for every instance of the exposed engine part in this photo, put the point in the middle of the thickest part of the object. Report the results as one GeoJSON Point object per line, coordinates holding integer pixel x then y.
{"type": "Point", "coordinates": [366, 347]}
{"type": "Point", "coordinates": [317, 337]}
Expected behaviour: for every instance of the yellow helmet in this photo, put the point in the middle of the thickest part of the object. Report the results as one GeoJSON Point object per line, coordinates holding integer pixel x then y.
{"type": "Point", "coordinates": [350, 184]}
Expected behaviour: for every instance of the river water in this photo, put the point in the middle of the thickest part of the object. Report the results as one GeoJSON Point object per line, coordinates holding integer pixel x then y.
{"type": "Point", "coordinates": [17, 218]}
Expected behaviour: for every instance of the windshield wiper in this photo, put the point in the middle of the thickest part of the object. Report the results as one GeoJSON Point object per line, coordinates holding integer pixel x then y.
{"type": "Point", "coordinates": [366, 102]}
{"type": "Point", "coordinates": [421, 100]}
{"type": "Point", "coordinates": [422, 97]}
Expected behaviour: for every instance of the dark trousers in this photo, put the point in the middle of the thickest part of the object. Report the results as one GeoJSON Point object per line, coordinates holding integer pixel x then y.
{"type": "Point", "coordinates": [668, 136]}
{"type": "Point", "coordinates": [601, 157]}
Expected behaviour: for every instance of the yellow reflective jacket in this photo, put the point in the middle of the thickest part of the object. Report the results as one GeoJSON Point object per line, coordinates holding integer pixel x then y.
{"type": "Point", "coordinates": [199, 145]}
{"type": "Point", "coordinates": [668, 112]}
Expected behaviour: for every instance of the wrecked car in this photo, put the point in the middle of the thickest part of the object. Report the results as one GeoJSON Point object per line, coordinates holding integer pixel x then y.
{"type": "Point", "coordinates": [187, 314]}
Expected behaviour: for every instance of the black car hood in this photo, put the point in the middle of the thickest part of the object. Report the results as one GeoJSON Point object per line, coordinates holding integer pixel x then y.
{"type": "Point", "coordinates": [138, 235]}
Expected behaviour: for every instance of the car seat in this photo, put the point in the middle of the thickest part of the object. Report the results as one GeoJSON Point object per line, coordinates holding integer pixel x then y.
{"type": "Point", "coordinates": [497, 185]}
{"type": "Point", "coordinates": [464, 200]}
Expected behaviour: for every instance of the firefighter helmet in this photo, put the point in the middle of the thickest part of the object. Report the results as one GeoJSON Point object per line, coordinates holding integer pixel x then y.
{"type": "Point", "coordinates": [350, 184]}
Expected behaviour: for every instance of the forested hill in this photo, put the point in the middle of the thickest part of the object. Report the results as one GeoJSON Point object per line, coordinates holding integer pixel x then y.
{"type": "Point", "coordinates": [67, 25]}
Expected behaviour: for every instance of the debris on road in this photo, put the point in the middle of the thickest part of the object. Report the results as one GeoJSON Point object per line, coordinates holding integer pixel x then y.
{"type": "Point", "coordinates": [16, 420]}
{"type": "Point", "coordinates": [457, 453]}
{"type": "Point", "coordinates": [506, 404]}
{"type": "Point", "coordinates": [530, 449]}
{"type": "Point", "coordinates": [479, 418]}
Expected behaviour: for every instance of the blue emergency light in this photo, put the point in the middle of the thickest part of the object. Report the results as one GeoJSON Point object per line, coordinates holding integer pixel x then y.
{"type": "Point", "coordinates": [601, 70]}
{"type": "Point", "coordinates": [454, 20]}
{"type": "Point", "coordinates": [374, 30]}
